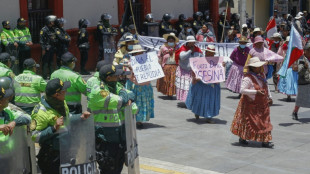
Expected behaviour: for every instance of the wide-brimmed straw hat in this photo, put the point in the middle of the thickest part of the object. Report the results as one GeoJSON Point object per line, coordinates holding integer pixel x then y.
{"type": "Point", "coordinates": [255, 62]}
{"type": "Point", "coordinates": [298, 16]}
{"type": "Point", "coordinates": [276, 35]}
{"type": "Point", "coordinates": [136, 49]}
{"type": "Point", "coordinates": [287, 38]}
{"type": "Point", "coordinates": [243, 39]}
{"type": "Point", "coordinates": [258, 39]}
{"type": "Point", "coordinates": [257, 29]}
{"type": "Point", "coordinates": [129, 38]}
{"type": "Point", "coordinates": [190, 39]}
{"type": "Point", "coordinates": [210, 48]}
{"type": "Point", "coordinates": [165, 36]}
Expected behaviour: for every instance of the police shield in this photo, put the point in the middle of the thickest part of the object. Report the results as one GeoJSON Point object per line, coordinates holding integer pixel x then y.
{"type": "Point", "coordinates": [109, 46]}
{"type": "Point", "coordinates": [77, 147]}
{"type": "Point", "coordinates": [132, 156]}
{"type": "Point", "coordinates": [152, 29]}
{"type": "Point", "coordinates": [14, 154]}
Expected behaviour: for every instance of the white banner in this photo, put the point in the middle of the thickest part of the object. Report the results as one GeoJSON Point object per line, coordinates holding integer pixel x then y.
{"type": "Point", "coordinates": [222, 49]}
{"type": "Point", "coordinates": [146, 67]}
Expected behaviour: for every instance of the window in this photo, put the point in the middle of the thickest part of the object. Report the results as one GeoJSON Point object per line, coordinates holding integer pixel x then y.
{"type": "Point", "coordinates": [203, 5]}
{"type": "Point", "coordinates": [37, 11]}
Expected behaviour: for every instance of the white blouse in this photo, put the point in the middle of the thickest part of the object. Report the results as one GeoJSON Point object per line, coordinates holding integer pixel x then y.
{"type": "Point", "coordinates": [247, 87]}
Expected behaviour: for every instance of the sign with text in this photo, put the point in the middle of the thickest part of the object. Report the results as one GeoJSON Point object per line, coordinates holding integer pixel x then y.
{"type": "Point", "coordinates": [208, 69]}
{"type": "Point", "coordinates": [146, 67]}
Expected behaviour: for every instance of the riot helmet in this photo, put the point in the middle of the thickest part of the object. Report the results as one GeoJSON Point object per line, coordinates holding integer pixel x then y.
{"type": "Point", "coordinates": [7, 87]}
{"type": "Point", "coordinates": [207, 14]}
{"type": "Point", "coordinates": [106, 17]}
{"type": "Point", "coordinates": [182, 17]}
{"type": "Point", "coordinates": [83, 23]}
{"type": "Point", "coordinates": [59, 22]}
{"type": "Point", "coordinates": [166, 17]}
{"type": "Point", "coordinates": [197, 15]}
{"type": "Point", "coordinates": [6, 24]}
{"type": "Point", "coordinates": [149, 17]}
{"type": "Point", "coordinates": [50, 19]}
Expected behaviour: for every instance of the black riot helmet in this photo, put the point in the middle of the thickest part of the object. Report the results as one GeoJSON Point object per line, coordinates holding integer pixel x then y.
{"type": "Point", "coordinates": [7, 87]}
{"type": "Point", "coordinates": [59, 21]}
{"type": "Point", "coordinates": [182, 17]}
{"type": "Point", "coordinates": [149, 17]}
{"type": "Point", "coordinates": [83, 23]}
{"type": "Point", "coordinates": [197, 14]}
{"type": "Point", "coordinates": [105, 17]}
{"type": "Point", "coordinates": [166, 17]}
{"type": "Point", "coordinates": [49, 19]}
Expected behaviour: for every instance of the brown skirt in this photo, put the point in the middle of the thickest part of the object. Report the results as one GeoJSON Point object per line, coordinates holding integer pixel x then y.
{"type": "Point", "coordinates": [166, 85]}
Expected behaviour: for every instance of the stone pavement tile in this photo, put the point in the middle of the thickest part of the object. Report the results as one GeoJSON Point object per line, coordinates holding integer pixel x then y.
{"type": "Point", "coordinates": [258, 169]}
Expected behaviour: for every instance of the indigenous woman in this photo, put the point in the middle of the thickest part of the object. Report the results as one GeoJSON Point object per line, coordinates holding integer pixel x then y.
{"type": "Point", "coordinates": [239, 57]}
{"type": "Point", "coordinates": [144, 97]}
{"type": "Point", "coordinates": [288, 85]}
{"type": "Point", "coordinates": [204, 99]}
{"type": "Point", "coordinates": [166, 55]}
{"type": "Point", "coordinates": [183, 74]}
{"type": "Point", "coordinates": [252, 117]}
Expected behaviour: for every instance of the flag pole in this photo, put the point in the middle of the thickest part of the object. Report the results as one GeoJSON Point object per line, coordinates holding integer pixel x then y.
{"type": "Point", "coordinates": [224, 21]}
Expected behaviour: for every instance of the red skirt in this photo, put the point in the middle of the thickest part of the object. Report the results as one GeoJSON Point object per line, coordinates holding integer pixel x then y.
{"type": "Point", "coordinates": [166, 85]}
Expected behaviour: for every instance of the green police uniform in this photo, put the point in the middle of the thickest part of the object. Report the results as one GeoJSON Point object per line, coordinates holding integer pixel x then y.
{"type": "Point", "coordinates": [23, 36]}
{"type": "Point", "coordinates": [91, 82]}
{"type": "Point", "coordinates": [5, 71]}
{"type": "Point", "coordinates": [29, 94]}
{"type": "Point", "coordinates": [8, 37]}
{"type": "Point", "coordinates": [78, 86]}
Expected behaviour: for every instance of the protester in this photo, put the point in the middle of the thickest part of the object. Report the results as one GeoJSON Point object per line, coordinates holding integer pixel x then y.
{"type": "Point", "coordinates": [204, 99]}
{"type": "Point", "coordinates": [231, 37]}
{"type": "Point", "coordinates": [252, 117]}
{"type": "Point", "coordinates": [298, 24]}
{"type": "Point", "coordinates": [166, 55]}
{"type": "Point", "coordinates": [183, 73]}
{"type": "Point", "coordinates": [239, 57]}
{"type": "Point", "coordinates": [205, 35]}
{"type": "Point", "coordinates": [303, 96]}
{"type": "Point", "coordinates": [144, 96]}
{"type": "Point", "coordinates": [288, 85]}
{"type": "Point", "coordinates": [121, 56]}
{"type": "Point", "coordinates": [245, 31]}
{"type": "Point", "coordinates": [276, 40]}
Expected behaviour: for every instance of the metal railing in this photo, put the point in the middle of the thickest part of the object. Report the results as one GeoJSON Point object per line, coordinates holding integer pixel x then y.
{"type": "Point", "coordinates": [36, 22]}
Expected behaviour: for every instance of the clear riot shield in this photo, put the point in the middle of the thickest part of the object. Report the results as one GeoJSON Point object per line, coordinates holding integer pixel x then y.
{"type": "Point", "coordinates": [77, 147]}
{"type": "Point", "coordinates": [132, 156]}
{"type": "Point", "coordinates": [109, 47]}
{"type": "Point", "coordinates": [14, 154]}
{"type": "Point", "coordinates": [210, 27]}
{"type": "Point", "coordinates": [153, 29]}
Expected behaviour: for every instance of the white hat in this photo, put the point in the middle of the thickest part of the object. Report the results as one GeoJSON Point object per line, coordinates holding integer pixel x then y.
{"type": "Point", "coordinates": [129, 38]}
{"type": "Point", "coordinates": [287, 38]}
{"type": "Point", "coordinates": [136, 49]}
{"type": "Point", "coordinates": [210, 48]}
{"type": "Point", "coordinates": [190, 39]}
{"type": "Point", "coordinates": [244, 26]}
{"type": "Point", "coordinates": [298, 16]}
{"type": "Point", "coordinates": [276, 35]}
{"type": "Point", "coordinates": [256, 29]}
{"type": "Point", "coordinates": [165, 36]}
{"type": "Point", "coordinates": [255, 62]}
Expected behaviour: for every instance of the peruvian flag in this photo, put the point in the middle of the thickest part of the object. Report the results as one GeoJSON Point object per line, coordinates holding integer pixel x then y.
{"type": "Point", "coordinates": [294, 52]}
{"type": "Point", "coordinates": [271, 28]}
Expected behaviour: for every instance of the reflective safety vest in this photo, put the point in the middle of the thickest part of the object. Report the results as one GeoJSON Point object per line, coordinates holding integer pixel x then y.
{"type": "Point", "coordinates": [91, 82]}
{"type": "Point", "coordinates": [78, 85]}
{"type": "Point", "coordinates": [43, 120]}
{"type": "Point", "coordinates": [108, 113]}
{"type": "Point", "coordinates": [23, 35]}
{"type": "Point", "coordinates": [31, 87]}
{"type": "Point", "coordinates": [8, 37]}
{"type": "Point", "coordinates": [5, 71]}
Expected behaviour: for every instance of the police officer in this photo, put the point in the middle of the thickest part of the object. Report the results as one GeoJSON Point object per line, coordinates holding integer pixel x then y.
{"type": "Point", "coordinates": [124, 28]}
{"type": "Point", "coordinates": [31, 86]}
{"type": "Point", "coordinates": [48, 122]}
{"type": "Point", "coordinates": [63, 39]}
{"type": "Point", "coordinates": [78, 85]}
{"type": "Point", "coordinates": [165, 25]}
{"type": "Point", "coordinates": [186, 31]}
{"type": "Point", "coordinates": [10, 43]}
{"type": "Point", "coordinates": [106, 102]}
{"type": "Point", "coordinates": [180, 23]}
{"type": "Point", "coordinates": [24, 42]}
{"type": "Point", "coordinates": [198, 21]}
{"type": "Point", "coordinates": [5, 65]}
{"type": "Point", "coordinates": [48, 41]}
{"type": "Point", "coordinates": [206, 17]}
{"type": "Point", "coordinates": [9, 119]}
{"type": "Point", "coordinates": [103, 28]}
{"type": "Point", "coordinates": [83, 44]}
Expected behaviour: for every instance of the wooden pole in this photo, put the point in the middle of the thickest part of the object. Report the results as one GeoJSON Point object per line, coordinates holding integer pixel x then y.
{"type": "Point", "coordinates": [224, 21]}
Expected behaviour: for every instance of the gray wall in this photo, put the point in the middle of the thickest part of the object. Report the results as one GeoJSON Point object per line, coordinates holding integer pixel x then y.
{"type": "Point", "coordinates": [174, 7]}
{"type": "Point", "coordinates": [9, 10]}
{"type": "Point", "coordinates": [89, 9]}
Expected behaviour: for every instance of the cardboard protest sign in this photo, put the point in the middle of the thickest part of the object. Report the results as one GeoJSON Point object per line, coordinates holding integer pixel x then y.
{"type": "Point", "coordinates": [146, 67]}
{"type": "Point", "coordinates": [208, 69]}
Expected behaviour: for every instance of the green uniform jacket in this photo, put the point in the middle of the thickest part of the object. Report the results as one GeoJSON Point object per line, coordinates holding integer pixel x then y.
{"type": "Point", "coordinates": [32, 85]}
{"type": "Point", "coordinates": [23, 36]}
{"type": "Point", "coordinates": [43, 120]}
{"type": "Point", "coordinates": [78, 85]}
{"type": "Point", "coordinates": [8, 115]}
{"type": "Point", "coordinates": [5, 71]}
{"type": "Point", "coordinates": [91, 82]}
{"type": "Point", "coordinates": [108, 111]}
{"type": "Point", "coordinates": [8, 37]}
